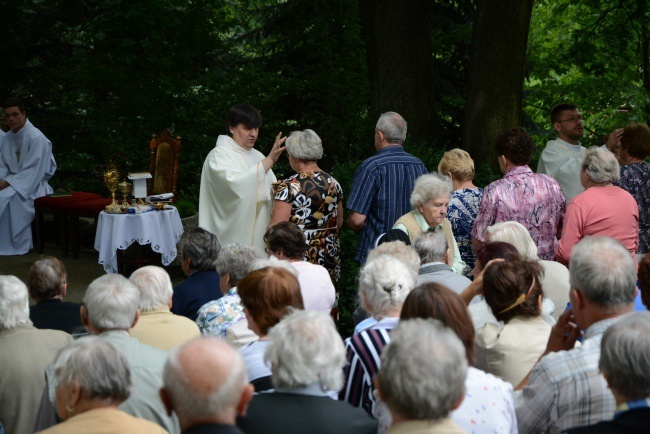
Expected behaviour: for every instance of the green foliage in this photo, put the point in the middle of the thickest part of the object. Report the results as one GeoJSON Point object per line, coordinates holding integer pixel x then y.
{"type": "Point", "coordinates": [185, 208]}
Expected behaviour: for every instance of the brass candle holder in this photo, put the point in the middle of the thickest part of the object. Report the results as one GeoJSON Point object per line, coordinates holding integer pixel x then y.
{"type": "Point", "coordinates": [111, 180]}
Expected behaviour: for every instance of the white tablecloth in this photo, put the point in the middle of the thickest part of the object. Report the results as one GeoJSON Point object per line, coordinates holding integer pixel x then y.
{"type": "Point", "coordinates": [161, 229]}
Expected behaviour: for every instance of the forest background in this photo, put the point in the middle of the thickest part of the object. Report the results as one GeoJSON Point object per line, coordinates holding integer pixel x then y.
{"type": "Point", "coordinates": [100, 76]}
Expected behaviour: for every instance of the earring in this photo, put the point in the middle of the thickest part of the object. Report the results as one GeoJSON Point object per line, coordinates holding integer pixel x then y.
{"type": "Point", "coordinates": [69, 409]}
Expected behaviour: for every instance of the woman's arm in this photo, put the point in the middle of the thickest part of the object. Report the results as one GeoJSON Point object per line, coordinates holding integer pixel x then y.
{"type": "Point", "coordinates": [281, 212]}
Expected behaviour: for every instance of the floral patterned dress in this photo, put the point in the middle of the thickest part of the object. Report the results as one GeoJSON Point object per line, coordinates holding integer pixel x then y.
{"type": "Point", "coordinates": [635, 179]}
{"type": "Point", "coordinates": [314, 199]}
{"type": "Point", "coordinates": [461, 213]}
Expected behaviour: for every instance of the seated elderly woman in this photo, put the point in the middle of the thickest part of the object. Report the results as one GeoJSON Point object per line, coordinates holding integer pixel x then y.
{"type": "Point", "coordinates": [602, 209]}
{"type": "Point", "coordinates": [313, 200]}
{"type": "Point", "coordinates": [156, 325]}
{"type": "Point", "coordinates": [94, 377]}
{"type": "Point", "coordinates": [285, 241]}
{"type": "Point", "coordinates": [430, 197]}
{"type": "Point", "coordinates": [488, 405]}
{"type": "Point", "coordinates": [217, 317]}
{"type": "Point", "coordinates": [555, 276]}
{"type": "Point", "coordinates": [635, 175]}
{"type": "Point", "coordinates": [199, 252]}
{"type": "Point", "coordinates": [464, 202]}
{"type": "Point", "coordinates": [510, 348]}
{"type": "Point", "coordinates": [422, 376]}
{"type": "Point", "coordinates": [266, 295]}
{"type": "Point", "coordinates": [384, 284]}
{"type": "Point", "coordinates": [307, 356]}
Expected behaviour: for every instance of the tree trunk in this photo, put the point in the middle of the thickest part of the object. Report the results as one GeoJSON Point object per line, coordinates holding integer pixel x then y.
{"type": "Point", "coordinates": [397, 35]}
{"type": "Point", "coordinates": [496, 75]}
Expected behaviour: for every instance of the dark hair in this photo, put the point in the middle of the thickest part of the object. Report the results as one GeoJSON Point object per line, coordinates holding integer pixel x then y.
{"type": "Point", "coordinates": [13, 102]}
{"type": "Point", "coordinates": [496, 250]}
{"type": "Point", "coordinates": [267, 293]}
{"type": "Point", "coordinates": [644, 280]}
{"type": "Point", "coordinates": [287, 238]}
{"type": "Point", "coordinates": [516, 145]}
{"type": "Point", "coordinates": [636, 140]}
{"type": "Point", "coordinates": [46, 278]}
{"type": "Point", "coordinates": [433, 300]}
{"type": "Point", "coordinates": [504, 282]}
{"type": "Point", "coordinates": [556, 111]}
{"type": "Point", "coordinates": [243, 114]}
{"type": "Point", "coordinates": [202, 248]}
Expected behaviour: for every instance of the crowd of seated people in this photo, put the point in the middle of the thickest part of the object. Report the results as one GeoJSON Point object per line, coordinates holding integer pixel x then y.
{"type": "Point", "coordinates": [247, 343]}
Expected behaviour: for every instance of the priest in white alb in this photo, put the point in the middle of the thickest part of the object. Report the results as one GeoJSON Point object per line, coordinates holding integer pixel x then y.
{"type": "Point", "coordinates": [236, 197]}
{"type": "Point", "coordinates": [26, 164]}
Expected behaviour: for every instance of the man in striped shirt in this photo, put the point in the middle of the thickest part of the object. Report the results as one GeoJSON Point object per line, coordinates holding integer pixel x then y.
{"type": "Point", "coordinates": [382, 185]}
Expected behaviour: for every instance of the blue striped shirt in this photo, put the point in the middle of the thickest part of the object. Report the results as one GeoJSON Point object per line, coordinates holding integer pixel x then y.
{"type": "Point", "coordinates": [381, 191]}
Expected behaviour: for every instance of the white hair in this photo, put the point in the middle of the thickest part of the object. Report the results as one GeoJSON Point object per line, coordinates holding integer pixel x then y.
{"type": "Point", "coordinates": [514, 233]}
{"type": "Point", "coordinates": [400, 251]}
{"type": "Point", "coordinates": [305, 349]}
{"type": "Point", "coordinates": [603, 270]}
{"type": "Point", "coordinates": [235, 259]}
{"type": "Point", "coordinates": [423, 370]}
{"type": "Point", "coordinates": [272, 261]}
{"type": "Point", "coordinates": [111, 302]}
{"type": "Point", "coordinates": [431, 246]}
{"type": "Point", "coordinates": [304, 145]}
{"type": "Point", "coordinates": [14, 303]}
{"type": "Point", "coordinates": [393, 126]}
{"type": "Point", "coordinates": [100, 369]}
{"type": "Point", "coordinates": [601, 166]}
{"type": "Point", "coordinates": [625, 356]}
{"type": "Point", "coordinates": [191, 404]}
{"type": "Point", "coordinates": [384, 284]}
{"type": "Point", "coordinates": [430, 187]}
{"type": "Point", "coordinates": [155, 287]}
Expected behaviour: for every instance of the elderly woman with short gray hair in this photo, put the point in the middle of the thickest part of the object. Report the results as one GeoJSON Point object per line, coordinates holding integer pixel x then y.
{"type": "Point", "coordinates": [94, 377]}
{"type": "Point", "coordinates": [430, 198]}
{"type": "Point", "coordinates": [602, 209]}
{"type": "Point", "coordinates": [313, 200]}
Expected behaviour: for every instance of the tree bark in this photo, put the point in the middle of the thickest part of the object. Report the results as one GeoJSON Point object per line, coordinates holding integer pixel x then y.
{"type": "Point", "coordinates": [496, 75]}
{"type": "Point", "coordinates": [397, 35]}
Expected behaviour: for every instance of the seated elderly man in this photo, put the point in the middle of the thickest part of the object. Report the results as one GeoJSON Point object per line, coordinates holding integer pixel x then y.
{"type": "Point", "coordinates": [221, 315]}
{"type": "Point", "coordinates": [422, 377]}
{"type": "Point", "coordinates": [566, 388]}
{"type": "Point", "coordinates": [24, 353]}
{"type": "Point", "coordinates": [157, 326]}
{"type": "Point", "coordinates": [205, 386]}
{"type": "Point", "coordinates": [625, 365]}
{"type": "Point", "coordinates": [286, 241]}
{"type": "Point", "coordinates": [47, 286]}
{"type": "Point", "coordinates": [110, 309]}
{"type": "Point", "coordinates": [307, 357]}
{"type": "Point", "coordinates": [433, 250]}
{"type": "Point", "coordinates": [199, 253]}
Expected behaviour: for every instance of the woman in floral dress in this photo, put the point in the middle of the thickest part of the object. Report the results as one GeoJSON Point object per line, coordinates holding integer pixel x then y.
{"type": "Point", "coordinates": [313, 200]}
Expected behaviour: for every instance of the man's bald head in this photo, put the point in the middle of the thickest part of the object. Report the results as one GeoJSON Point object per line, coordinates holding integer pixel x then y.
{"type": "Point", "coordinates": [205, 381]}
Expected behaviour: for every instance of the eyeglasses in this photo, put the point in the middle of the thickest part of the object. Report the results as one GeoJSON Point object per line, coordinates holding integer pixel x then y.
{"type": "Point", "coordinates": [572, 119]}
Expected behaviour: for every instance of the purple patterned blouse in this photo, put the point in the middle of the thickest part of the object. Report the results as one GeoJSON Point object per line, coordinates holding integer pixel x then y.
{"type": "Point", "coordinates": [635, 179]}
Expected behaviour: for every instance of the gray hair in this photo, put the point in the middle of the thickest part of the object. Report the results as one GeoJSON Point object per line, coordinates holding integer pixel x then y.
{"type": "Point", "coordinates": [601, 166]}
{"type": "Point", "coordinates": [100, 369]}
{"type": "Point", "coordinates": [305, 349]}
{"type": "Point", "coordinates": [202, 248]}
{"type": "Point", "coordinates": [423, 370]}
{"type": "Point", "coordinates": [111, 302]}
{"type": "Point", "coordinates": [603, 270]}
{"type": "Point", "coordinates": [400, 251]}
{"type": "Point", "coordinates": [236, 259]}
{"type": "Point", "coordinates": [514, 233]}
{"type": "Point", "coordinates": [431, 246]}
{"type": "Point", "coordinates": [304, 145]}
{"type": "Point", "coordinates": [14, 303]}
{"type": "Point", "coordinates": [258, 264]}
{"type": "Point", "coordinates": [625, 356]}
{"type": "Point", "coordinates": [155, 287]}
{"type": "Point", "coordinates": [384, 283]}
{"type": "Point", "coordinates": [393, 126]}
{"type": "Point", "coordinates": [191, 404]}
{"type": "Point", "coordinates": [430, 187]}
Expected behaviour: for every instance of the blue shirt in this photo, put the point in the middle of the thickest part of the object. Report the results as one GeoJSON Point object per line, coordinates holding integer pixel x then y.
{"type": "Point", "coordinates": [381, 191]}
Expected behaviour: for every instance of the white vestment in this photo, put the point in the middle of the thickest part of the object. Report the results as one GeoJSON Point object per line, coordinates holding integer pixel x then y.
{"type": "Point", "coordinates": [26, 163]}
{"type": "Point", "coordinates": [235, 200]}
{"type": "Point", "coordinates": [562, 161]}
